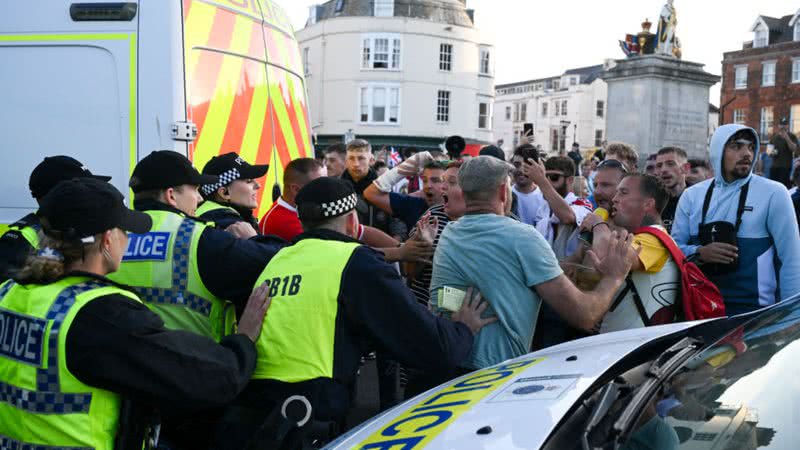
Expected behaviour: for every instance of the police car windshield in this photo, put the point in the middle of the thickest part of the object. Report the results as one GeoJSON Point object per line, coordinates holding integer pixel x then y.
{"type": "Point", "coordinates": [734, 394]}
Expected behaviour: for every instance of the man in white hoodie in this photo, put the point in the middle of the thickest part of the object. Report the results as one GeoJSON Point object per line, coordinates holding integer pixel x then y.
{"type": "Point", "coordinates": [741, 226]}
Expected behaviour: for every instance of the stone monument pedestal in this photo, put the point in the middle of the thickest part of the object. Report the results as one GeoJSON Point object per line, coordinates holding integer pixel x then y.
{"type": "Point", "coordinates": [656, 101]}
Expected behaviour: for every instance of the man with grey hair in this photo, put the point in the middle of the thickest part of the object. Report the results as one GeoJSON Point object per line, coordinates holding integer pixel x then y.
{"type": "Point", "coordinates": [513, 267]}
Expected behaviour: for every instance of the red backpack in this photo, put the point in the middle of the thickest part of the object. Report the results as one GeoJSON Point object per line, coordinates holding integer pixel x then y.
{"type": "Point", "coordinates": [700, 298]}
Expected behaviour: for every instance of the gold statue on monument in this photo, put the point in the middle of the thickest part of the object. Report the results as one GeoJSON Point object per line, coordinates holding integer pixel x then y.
{"type": "Point", "coordinates": [668, 43]}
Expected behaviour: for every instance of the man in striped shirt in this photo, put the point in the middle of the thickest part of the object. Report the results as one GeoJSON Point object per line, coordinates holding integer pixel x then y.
{"type": "Point", "coordinates": [452, 208]}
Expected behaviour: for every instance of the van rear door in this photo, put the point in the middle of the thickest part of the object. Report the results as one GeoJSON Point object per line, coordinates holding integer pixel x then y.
{"type": "Point", "coordinates": [67, 87]}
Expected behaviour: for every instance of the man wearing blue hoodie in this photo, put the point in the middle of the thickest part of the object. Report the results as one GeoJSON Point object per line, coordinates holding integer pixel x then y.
{"type": "Point", "coordinates": [741, 226]}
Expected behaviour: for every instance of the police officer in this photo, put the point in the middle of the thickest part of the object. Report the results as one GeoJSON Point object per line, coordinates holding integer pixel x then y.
{"type": "Point", "coordinates": [22, 237]}
{"type": "Point", "coordinates": [234, 196]}
{"type": "Point", "coordinates": [333, 300]}
{"type": "Point", "coordinates": [187, 272]}
{"type": "Point", "coordinates": [87, 365]}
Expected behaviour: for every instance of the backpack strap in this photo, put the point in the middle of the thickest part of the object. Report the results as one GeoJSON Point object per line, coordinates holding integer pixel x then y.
{"type": "Point", "coordinates": [637, 300]}
{"type": "Point", "coordinates": [666, 241]}
{"type": "Point", "coordinates": [707, 202]}
{"type": "Point", "coordinates": [740, 209]}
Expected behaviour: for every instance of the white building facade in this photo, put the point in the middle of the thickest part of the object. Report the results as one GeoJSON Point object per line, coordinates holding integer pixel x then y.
{"type": "Point", "coordinates": [397, 73]}
{"type": "Point", "coordinates": [555, 111]}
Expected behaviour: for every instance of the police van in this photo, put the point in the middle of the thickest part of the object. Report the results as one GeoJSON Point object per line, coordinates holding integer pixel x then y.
{"type": "Point", "coordinates": [724, 384]}
{"type": "Point", "coordinates": [107, 83]}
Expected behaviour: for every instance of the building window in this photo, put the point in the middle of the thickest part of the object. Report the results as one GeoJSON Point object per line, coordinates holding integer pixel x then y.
{"type": "Point", "coordinates": [573, 81]}
{"type": "Point", "coordinates": [738, 116]}
{"type": "Point", "coordinates": [741, 77]}
{"type": "Point", "coordinates": [556, 85]}
{"type": "Point", "coordinates": [563, 107]}
{"type": "Point", "coordinates": [768, 73]}
{"type": "Point", "coordinates": [443, 107]}
{"type": "Point", "coordinates": [520, 112]}
{"type": "Point", "coordinates": [762, 37]}
{"type": "Point", "coordinates": [797, 31]}
{"type": "Point", "coordinates": [598, 138]}
{"type": "Point", "coordinates": [485, 62]}
{"type": "Point", "coordinates": [379, 104]}
{"type": "Point", "coordinates": [312, 14]}
{"type": "Point", "coordinates": [601, 107]}
{"type": "Point", "coordinates": [339, 6]}
{"type": "Point", "coordinates": [306, 61]}
{"type": "Point", "coordinates": [544, 109]}
{"type": "Point", "coordinates": [380, 52]}
{"type": "Point", "coordinates": [796, 71]}
{"type": "Point", "coordinates": [766, 122]}
{"type": "Point", "coordinates": [508, 113]}
{"type": "Point", "coordinates": [445, 57]}
{"type": "Point", "coordinates": [795, 118]}
{"type": "Point", "coordinates": [483, 115]}
{"type": "Point", "coordinates": [384, 8]}
{"type": "Point", "coordinates": [557, 106]}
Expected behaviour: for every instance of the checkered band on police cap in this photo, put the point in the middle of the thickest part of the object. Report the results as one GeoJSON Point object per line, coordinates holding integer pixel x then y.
{"type": "Point", "coordinates": [339, 207]}
{"type": "Point", "coordinates": [225, 178]}
{"type": "Point", "coordinates": [325, 198]}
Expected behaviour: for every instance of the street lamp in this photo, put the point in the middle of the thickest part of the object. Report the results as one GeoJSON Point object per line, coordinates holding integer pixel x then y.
{"type": "Point", "coordinates": [575, 132]}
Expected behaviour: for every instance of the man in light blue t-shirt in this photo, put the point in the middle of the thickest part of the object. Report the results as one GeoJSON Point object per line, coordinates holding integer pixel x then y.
{"type": "Point", "coordinates": [514, 268]}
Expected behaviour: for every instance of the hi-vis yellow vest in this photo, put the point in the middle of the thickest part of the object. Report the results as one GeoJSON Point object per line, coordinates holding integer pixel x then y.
{"type": "Point", "coordinates": [28, 232]}
{"type": "Point", "coordinates": [42, 405]}
{"type": "Point", "coordinates": [162, 266]}
{"type": "Point", "coordinates": [297, 338]}
{"type": "Point", "coordinates": [209, 206]}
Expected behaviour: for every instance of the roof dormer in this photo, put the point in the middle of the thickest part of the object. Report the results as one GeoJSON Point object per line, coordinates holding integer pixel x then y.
{"type": "Point", "coordinates": [760, 31]}
{"type": "Point", "coordinates": [795, 24]}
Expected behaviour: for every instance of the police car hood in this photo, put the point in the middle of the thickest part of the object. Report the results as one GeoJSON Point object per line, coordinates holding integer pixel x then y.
{"type": "Point", "coordinates": [514, 405]}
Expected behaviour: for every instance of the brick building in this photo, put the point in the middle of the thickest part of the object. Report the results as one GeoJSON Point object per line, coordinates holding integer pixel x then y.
{"type": "Point", "coordinates": [761, 82]}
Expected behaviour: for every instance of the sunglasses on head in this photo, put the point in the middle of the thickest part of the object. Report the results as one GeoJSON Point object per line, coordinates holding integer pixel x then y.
{"type": "Point", "coordinates": [612, 164]}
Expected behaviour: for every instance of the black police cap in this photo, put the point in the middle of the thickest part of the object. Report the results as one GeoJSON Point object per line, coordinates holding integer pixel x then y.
{"type": "Point", "coordinates": [325, 198]}
{"type": "Point", "coordinates": [55, 169]}
{"type": "Point", "coordinates": [163, 169]}
{"type": "Point", "coordinates": [230, 167]}
{"type": "Point", "coordinates": [82, 207]}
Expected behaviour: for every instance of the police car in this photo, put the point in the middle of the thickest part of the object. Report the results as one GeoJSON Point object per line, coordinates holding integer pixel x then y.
{"type": "Point", "coordinates": [723, 384]}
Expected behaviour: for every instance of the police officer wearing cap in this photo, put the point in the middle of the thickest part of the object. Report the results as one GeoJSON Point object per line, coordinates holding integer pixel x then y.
{"type": "Point", "coordinates": [22, 236]}
{"type": "Point", "coordinates": [186, 271]}
{"type": "Point", "coordinates": [86, 364]}
{"type": "Point", "coordinates": [234, 196]}
{"type": "Point", "coordinates": [333, 300]}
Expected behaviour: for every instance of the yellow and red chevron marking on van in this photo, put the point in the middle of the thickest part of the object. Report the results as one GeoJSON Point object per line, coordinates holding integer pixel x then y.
{"type": "Point", "coordinates": [243, 95]}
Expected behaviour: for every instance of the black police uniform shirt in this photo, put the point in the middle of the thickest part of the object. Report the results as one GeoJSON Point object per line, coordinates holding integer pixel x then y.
{"type": "Point", "coordinates": [15, 249]}
{"type": "Point", "coordinates": [228, 266]}
{"type": "Point", "coordinates": [118, 344]}
{"type": "Point", "coordinates": [224, 217]}
{"type": "Point", "coordinates": [376, 312]}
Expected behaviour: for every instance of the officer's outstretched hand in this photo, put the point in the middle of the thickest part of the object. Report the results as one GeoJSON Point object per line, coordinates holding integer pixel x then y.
{"type": "Point", "coordinates": [470, 312]}
{"type": "Point", "coordinates": [254, 312]}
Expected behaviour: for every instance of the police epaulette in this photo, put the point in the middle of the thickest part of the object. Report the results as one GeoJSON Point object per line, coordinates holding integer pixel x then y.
{"type": "Point", "coordinates": [31, 220]}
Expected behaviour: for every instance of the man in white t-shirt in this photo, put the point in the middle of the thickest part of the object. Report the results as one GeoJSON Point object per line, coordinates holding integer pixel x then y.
{"type": "Point", "coordinates": [529, 196]}
{"type": "Point", "coordinates": [562, 212]}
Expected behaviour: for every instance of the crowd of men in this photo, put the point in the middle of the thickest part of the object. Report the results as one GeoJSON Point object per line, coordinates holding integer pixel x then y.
{"type": "Point", "coordinates": [434, 265]}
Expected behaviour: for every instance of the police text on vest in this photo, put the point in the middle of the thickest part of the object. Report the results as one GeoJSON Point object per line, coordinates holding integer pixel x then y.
{"type": "Point", "coordinates": [21, 337]}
